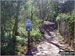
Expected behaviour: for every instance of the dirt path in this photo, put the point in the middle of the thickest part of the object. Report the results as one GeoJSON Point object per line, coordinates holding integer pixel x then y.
{"type": "Point", "coordinates": [47, 46]}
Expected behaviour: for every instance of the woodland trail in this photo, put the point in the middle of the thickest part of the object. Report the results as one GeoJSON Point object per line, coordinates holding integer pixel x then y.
{"type": "Point", "coordinates": [49, 45]}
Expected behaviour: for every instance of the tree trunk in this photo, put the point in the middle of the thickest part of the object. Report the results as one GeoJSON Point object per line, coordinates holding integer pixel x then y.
{"type": "Point", "coordinates": [15, 29]}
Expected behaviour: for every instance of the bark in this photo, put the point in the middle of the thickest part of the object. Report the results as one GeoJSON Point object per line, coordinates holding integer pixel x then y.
{"type": "Point", "coordinates": [2, 19]}
{"type": "Point", "coordinates": [15, 29]}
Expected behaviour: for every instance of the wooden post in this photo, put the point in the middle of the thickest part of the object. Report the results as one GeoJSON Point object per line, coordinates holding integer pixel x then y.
{"type": "Point", "coordinates": [29, 45]}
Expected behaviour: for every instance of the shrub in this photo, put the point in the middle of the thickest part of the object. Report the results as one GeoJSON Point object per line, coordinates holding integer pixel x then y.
{"type": "Point", "coordinates": [68, 18]}
{"type": "Point", "coordinates": [36, 35]}
{"type": "Point", "coordinates": [21, 40]}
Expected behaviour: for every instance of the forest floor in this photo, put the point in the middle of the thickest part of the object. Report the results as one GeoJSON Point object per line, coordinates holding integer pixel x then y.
{"type": "Point", "coordinates": [51, 43]}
